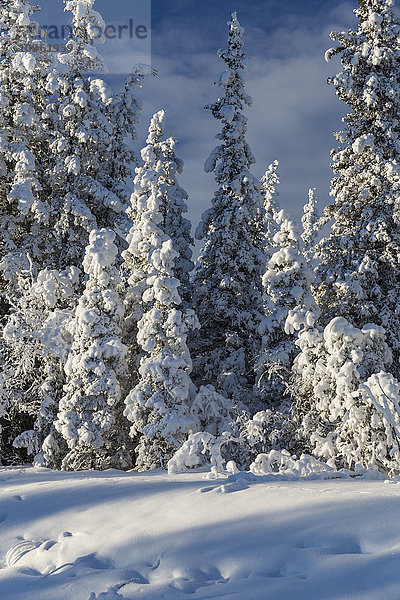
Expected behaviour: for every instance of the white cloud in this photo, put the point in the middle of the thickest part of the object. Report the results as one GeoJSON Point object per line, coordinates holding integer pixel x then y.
{"type": "Point", "coordinates": [294, 110]}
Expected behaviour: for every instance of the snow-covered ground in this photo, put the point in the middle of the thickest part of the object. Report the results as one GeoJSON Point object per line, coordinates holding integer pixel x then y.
{"type": "Point", "coordinates": [73, 536]}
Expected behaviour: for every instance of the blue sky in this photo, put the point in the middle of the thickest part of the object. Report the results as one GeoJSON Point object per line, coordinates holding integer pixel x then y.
{"type": "Point", "coordinates": [294, 111]}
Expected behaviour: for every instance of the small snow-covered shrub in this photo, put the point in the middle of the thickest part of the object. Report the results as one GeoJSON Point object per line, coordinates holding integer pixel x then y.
{"type": "Point", "coordinates": [200, 449]}
{"type": "Point", "coordinates": [27, 440]}
{"type": "Point", "coordinates": [241, 441]}
{"type": "Point", "coordinates": [283, 463]}
{"type": "Point", "coordinates": [266, 430]}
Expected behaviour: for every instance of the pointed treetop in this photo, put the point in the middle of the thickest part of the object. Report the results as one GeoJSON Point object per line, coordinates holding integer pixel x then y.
{"type": "Point", "coordinates": [156, 138]}
{"type": "Point", "coordinates": [377, 25]}
{"type": "Point", "coordinates": [234, 54]}
{"type": "Point", "coordinates": [269, 183]}
{"type": "Point", "coordinates": [234, 24]}
{"type": "Point", "coordinates": [310, 220]}
{"type": "Point", "coordinates": [156, 129]}
{"type": "Point", "coordinates": [288, 235]}
{"type": "Point", "coordinates": [233, 156]}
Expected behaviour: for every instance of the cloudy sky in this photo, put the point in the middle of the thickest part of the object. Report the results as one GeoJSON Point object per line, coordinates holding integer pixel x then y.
{"type": "Point", "coordinates": [294, 111]}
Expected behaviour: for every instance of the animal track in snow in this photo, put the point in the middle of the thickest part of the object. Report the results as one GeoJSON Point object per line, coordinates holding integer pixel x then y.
{"type": "Point", "coordinates": [46, 558]}
{"type": "Point", "coordinates": [19, 550]}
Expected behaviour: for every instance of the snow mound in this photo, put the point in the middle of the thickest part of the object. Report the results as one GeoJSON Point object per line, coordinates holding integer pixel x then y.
{"type": "Point", "coordinates": [282, 463]}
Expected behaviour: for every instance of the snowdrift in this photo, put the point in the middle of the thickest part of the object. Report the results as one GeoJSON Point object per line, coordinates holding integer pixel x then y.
{"type": "Point", "coordinates": [113, 535]}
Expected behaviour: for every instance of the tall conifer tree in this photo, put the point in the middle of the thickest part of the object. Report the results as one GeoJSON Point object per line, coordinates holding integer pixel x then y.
{"type": "Point", "coordinates": [227, 282]}
{"type": "Point", "coordinates": [27, 239]}
{"type": "Point", "coordinates": [157, 264]}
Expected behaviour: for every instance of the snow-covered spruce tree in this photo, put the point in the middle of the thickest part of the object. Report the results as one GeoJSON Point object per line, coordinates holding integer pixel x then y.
{"type": "Point", "coordinates": [155, 183]}
{"type": "Point", "coordinates": [38, 196]}
{"type": "Point", "coordinates": [90, 412]}
{"type": "Point", "coordinates": [359, 275]}
{"type": "Point", "coordinates": [156, 263]}
{"type": "Point", "coordinates": [354, 416]}
{"type": "Point", "coordinates": [289, 307]}
{"type": "Point", "coordinates": [227, 280]}
{"type": "Point", "coordinates": [60, 235]}
{"type": "Point", "coordinates": [26, 83]}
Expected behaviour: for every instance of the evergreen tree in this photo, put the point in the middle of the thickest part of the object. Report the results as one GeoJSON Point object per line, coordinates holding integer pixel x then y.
{"type": "Point", "coordinates": [227, 280]}
{"type": "Point", "coordinates": [27, 84]}
{"type": "Point", "coordinates": [156, 263]}
{"type": "Point", "coordinates": [85, 185]}
{"type": "Point", "coordinates": [269, 184]}
{"type": "Point", "coordinates": [155, 182]}
{"type": "Point", "coordinates": [89, 416]}
{"type": "Point", "coordinates": [27, 81]}
{"type": "Point", "coordinates": [359, 275]}
{"type": "Point", "coordinates": [159, 405]}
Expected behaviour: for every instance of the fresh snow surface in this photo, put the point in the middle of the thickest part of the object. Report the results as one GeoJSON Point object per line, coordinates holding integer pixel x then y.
{"type": "Point", "coordinates": [151, 536]}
